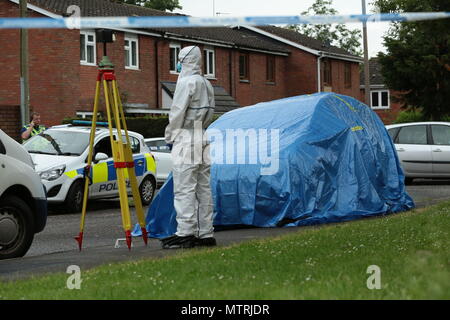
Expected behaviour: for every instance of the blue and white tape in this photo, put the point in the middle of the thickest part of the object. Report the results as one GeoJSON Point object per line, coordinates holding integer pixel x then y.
{"type": "Point", "coordinates": [185, 21]}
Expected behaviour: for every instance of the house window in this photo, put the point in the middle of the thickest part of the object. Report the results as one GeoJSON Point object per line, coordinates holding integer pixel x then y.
{"type": "Point", "coordinates": [380, 99]}
{"type": "Point", "coordinates": [174, 52]}
{"type": "Point", "coordinates": [348, 75]}
{"type": "Point", "coordinates": [327, 72]}
{"type": "Point", "coordinates": [87, 48]}
{"type": "Point", "coordinates": [270, 69]}
{"type": "Point", "coordinates": [244, 66]}
{"type": "Point", "coordinates": [131, 52]}
{"type": "Point", "coordinates": [209, 63]}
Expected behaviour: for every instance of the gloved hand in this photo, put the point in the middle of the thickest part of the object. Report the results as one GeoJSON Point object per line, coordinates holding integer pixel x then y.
{"type": "Point", "coordinates": [170, 146]}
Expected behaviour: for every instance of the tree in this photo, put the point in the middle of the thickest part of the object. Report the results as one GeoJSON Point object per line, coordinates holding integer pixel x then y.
{"type": "Point", "coordinates": [338, 35]}
{"type": "Point", "coordinates": [161, 5]}
{"type": "Point", "coordinates": [417, 62]}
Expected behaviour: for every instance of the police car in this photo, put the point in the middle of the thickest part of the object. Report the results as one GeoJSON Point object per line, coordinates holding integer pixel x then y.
{"type": "Point", "coordinates": [60, 157]}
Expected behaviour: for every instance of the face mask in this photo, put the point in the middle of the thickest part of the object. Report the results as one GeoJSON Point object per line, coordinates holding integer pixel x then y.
{"type": "Point", "coordinates": [179, 62]}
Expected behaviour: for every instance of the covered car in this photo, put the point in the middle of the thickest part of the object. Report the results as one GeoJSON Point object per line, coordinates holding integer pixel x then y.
{"type": "Point", "coordinates": [316, 159]}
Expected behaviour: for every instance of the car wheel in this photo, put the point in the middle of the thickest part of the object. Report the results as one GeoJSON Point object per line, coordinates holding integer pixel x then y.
{"type": "Point", "coordinates": [16, 227]}
{"type": "Point", "coordinates": [74, 198]}
{"type": "Point", "coordinates": [147, 190]}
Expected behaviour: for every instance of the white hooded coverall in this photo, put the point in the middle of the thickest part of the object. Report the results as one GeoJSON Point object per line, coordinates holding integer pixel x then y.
{"type": "Point", "coordinates": [192, 108]}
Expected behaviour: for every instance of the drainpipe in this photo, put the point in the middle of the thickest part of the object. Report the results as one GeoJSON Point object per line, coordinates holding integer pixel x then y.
{"type": "Point", "coordinates": [24, 72]}
{"type": "Point", "coordinates": [319, 80]}
{"type": "Point", "coordinates": [366, 59]}
{"type": "Point", "coordinates": [157, 73]}
{"type": "Point", "coordinates": [230, 70]}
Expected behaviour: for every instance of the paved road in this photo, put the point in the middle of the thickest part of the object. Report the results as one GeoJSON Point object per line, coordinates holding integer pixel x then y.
{"type": "Point", "coordinates": [55, 249]}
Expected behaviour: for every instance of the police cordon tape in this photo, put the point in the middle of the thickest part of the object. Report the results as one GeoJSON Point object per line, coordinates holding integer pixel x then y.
{"type": "Point", "coordinates": [186, 21]}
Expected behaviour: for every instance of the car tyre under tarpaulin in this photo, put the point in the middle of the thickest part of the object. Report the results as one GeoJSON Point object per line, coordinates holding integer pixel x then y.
{"type": "Point", "coordinates": [336, 162]}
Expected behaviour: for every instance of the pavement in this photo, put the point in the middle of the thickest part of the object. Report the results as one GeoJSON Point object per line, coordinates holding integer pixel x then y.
{"type": "Point", "coordinates": [15, 269]}
{"type": "Point", "coordinates": [54, 250]}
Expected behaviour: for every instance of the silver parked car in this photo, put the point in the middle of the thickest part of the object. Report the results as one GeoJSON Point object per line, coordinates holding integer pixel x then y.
{"type": "Point", "coordinates": [423, 148]}
{"type": "Point", "coordinates": [163, 156]}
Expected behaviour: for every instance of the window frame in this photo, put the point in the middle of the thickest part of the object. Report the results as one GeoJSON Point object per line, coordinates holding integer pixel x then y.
{"type": "Point", "coordinates": [2, 148]}
{"type": "Point", "coordinates": [348, 75]}
{"type": "Point", "coordinates": [177, 48]}
{"type": "Point", "coordinates": [135, 145]}
{"type": "Point", "coordinates": [206, 60]}
{"type": "Point", "coordinates": [270, 69]}
{"type": "Point", "coordinates": [432, 135]}
{"type": "Point", "coordinates": [327, 73]}
{"type": "Point", "coordinates": [107, 141]}
{"type": "Point", "coordinates": [427, 142]}
{"type": "Point", "coordinates": [131, 38]}
{"type": "Point", "coordinates": [380, 100]}
{"type": "Point", "coordinates": [394, 134]}
{"type": "Point", "coordinates": [246, 76]}
{"type": "Point", "coordinates": [87, 43]}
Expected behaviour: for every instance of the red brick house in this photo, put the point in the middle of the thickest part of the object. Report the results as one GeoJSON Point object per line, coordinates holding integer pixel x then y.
{"type": "Point", "coordinates": [246, 65]}
{"type": "Point", "coordinates": [382, 99]}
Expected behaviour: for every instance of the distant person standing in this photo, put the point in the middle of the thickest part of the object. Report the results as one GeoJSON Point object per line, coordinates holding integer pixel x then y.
{"type": "Point", "coordinates": [32, 129]}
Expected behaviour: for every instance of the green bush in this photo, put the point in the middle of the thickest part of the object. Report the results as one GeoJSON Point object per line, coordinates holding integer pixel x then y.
{"type": "Point", "coordinates": [409, 116]}
{"type": "Point", "coordinates": [416, 115]}
{"type": "Point", "coordinates": [149, 127]}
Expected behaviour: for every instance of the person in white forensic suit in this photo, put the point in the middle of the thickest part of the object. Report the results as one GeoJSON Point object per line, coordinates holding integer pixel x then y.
{"type": "Point", "coordinates": [191, 113]}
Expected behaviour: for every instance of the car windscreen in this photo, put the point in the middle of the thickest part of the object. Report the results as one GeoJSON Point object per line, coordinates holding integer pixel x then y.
{"type": "Point", "coordinates": [58, 142]}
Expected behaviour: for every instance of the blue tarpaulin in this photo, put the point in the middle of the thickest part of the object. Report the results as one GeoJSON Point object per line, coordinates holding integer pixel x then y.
{"type": "Point", "coordinates": [297, 161]}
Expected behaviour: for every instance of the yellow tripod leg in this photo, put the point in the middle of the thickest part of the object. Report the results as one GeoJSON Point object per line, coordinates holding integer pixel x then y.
{"type": "Point", "coordinates": [131, 171]}
{"type": "Point", "coordinates": [119, 160]}
{"type": "Point", "coordinates": [79, 238]}
{"type": "Point", "coordinates": [136, 196]}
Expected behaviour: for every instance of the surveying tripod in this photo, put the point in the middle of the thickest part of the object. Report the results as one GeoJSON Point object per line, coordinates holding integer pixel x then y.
{"type": "Point", "coordinates": [122, 155]}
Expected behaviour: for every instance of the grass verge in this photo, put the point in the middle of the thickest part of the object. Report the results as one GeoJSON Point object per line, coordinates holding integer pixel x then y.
{"type": "Point", "coordinates": [330, 262]}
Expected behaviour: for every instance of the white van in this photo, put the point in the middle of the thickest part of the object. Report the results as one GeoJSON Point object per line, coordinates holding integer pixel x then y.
{"type": "Point", "coordinates": [23, 203]}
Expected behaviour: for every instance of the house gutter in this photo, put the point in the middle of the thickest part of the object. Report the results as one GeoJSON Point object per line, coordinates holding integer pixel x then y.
{"type": "Point", "coordinates": [178, 37]}
{"type": "Point", "coordinates": [341, 57]}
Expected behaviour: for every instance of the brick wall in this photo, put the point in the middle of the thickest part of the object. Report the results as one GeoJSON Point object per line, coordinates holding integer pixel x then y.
{"type": "Point", "coordinates": [257, 89]}
{"type": "Point", "coordinates": [60, 86]}
{"type": "Point", "coordinates": [53, 81]}
{"type": "Point", "coordinates": [338, 78]}
{"type": "Point", "coordinates": [388, 116]}
{"type": "Point", "coordinates": [301, 72]}
{"type": "Point", "coordinates": [10, 120]}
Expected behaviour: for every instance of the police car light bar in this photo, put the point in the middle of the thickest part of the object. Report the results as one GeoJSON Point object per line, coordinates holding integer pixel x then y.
{"type": "Point", "coordinates": [88, 123]}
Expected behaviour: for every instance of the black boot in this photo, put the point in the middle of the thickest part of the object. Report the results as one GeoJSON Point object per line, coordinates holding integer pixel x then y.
{"type": "Point", "coordinates": [177, 242]}
{"type": "Point", "coordinates": [206, 242]}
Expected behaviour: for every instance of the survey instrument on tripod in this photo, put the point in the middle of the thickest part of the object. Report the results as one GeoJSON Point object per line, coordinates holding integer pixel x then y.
{"type": "Point", "coordinates": [121, 149]}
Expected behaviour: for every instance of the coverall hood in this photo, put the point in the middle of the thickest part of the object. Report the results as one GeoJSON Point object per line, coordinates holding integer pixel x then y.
{"type": "Point", "coordinates": [191, 61]}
